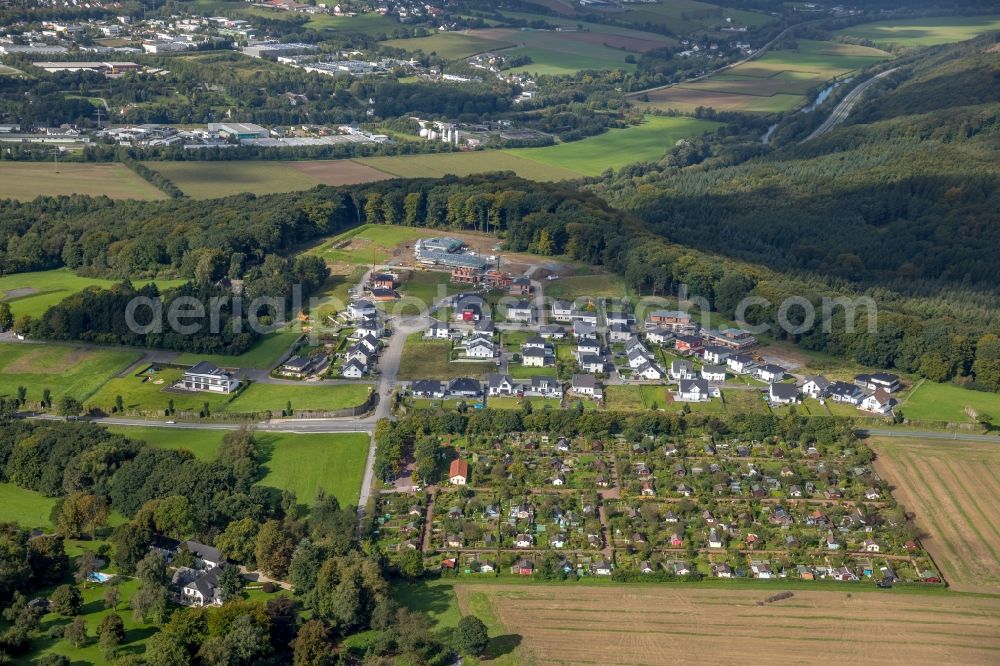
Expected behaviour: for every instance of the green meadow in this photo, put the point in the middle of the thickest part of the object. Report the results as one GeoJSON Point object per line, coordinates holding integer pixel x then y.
{"type": "Point", "coordinates": [63, 369]}
{"type": "Point", "coordinates": [616, 148]}
{"type": "Point", "coordinates": [947, 402]}
{"type": "Point", "coordinates": [923, 31]}
{"type": "Point", "coordinates": [34, 293]}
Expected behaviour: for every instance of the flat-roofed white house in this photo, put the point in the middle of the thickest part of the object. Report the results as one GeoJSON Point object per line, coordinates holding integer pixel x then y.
{"type": "Point", "coordinates": [205, 376]}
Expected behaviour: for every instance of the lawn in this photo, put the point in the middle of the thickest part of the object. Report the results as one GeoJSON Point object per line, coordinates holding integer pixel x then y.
{"type": "Point", "coordinates": [25, 181]}
{"type": "Point", "coordinates": [333, 296]}
{"type": "Point", "coordinates": [428, 359]}
{"type": "Point", "coordinates": [428, 287]}
{"type": "Point", "coordinates": [146, 394]}
{"type": "Point", "coordinates": [600, 286]}
{"type": "Point", "coordinates": [306, 463]}
{"type": "Point", "coordinates": [65, 370]}
{"type": "Point", "coordinates": [273, 397]}
{"type": "Point", "coordinates": [93, 610]}
{"type": "Point", "coordinates": [368, 243]}
{"type": "Point", "coordinates": [303, 463]}
{"type": "Point", "coordinates": [437, 165]}
{"type": "Point", "coordinates": [954, 490]}
{"type": "Point", "coordinates": [204, 444]}
{"type": "Point", "coordinates": [947, 402]}
{"type": "Point", "coordinates": [211, 180]}
{"type": "Point", "coordinates": [923, 31]}
{"type": "Point", "coordinates": [34, 293]}
{"type": "Point", "coordinates": [261, 356]}
{"type": "Point", "coordinates": [27, 507]}
{"type": "Point", "coordinates": [637, 398]}
{"type": "Point", "coordinates": [518, 371]}
{"type": "Point", "coordinates": [620, 147]}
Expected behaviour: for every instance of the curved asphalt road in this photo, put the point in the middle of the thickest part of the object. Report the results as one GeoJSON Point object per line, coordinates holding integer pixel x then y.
{"type": "Point", "coordinates": [842, 110]}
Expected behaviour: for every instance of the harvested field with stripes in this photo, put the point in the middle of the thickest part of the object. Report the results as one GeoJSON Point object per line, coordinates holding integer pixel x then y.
{"type": "Point", "coordinates": [673, 625]}
{"type": "Point", "coordinates": [954, 490]}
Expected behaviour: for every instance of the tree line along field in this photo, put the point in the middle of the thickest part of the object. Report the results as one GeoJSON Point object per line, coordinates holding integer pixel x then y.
{"type": "Point", "coordinates": [25, 181]}
{"type": "Point", "coordinates": [922, 31]}
{"type": "Point", "coordinates": [211, 180]}
{"type": "Point", "coordinates": [605, 624]}
{"type": "Point", "coordinates": [776, 81]}
{"type": "Point", "coordinates": [953, 488]}
{"type": "Point", "coordinates": [35, 292]}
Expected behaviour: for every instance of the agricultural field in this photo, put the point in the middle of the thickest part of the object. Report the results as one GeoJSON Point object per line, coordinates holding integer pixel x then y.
{"type": "Point", "coordinates": [777, 81]}
{"type": "Point", "coordinates": [27, 507]}
{"type": "Point", "coordinates": [923, 31]}
{"type": "Point", "coordinates": [679, 16]}
{"type": "Point", "coordinates": [610, 625]}
{"type": "Point", "coordinates": [263, 355]}
{"type": "Point", "coordinates": [64, 370]}
{"type": "Point", "coordinates": [619, 147]}
{"type": "Point", "coordinates": [953, 488]}
{"type": "Point", "coordinates": [211, 180]}
{"type": "Point", "coordinates": [274, 397]}
{"type": "Point", "coordinates": [462, 164]}
{"type": "Point", "coordinates": [948, 403]}
{"type": "Point", "coordinates": [450, 45]}
{"type": "Point", "coordinates": [25, 181]}
{"type": "Point", "coordinates": [35, 292]}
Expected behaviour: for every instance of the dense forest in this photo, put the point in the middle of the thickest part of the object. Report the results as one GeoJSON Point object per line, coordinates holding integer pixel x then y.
{"type": "Point", "coordinates": [904, 195]}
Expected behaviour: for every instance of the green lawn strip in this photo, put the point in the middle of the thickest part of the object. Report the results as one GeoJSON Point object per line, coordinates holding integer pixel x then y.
{"type": "Point", "coordinates": [274, 398]}
{"type": "Point", "coordinates": [261, 356]}
{"type": "Point", "coordinates": [62, 369]}
{"type": "Point", "coordinates": [204, 444]}
{"type": "Point", "coordinates": [334, 462]}
{"type": "Point", "coordinates": [26, 507]}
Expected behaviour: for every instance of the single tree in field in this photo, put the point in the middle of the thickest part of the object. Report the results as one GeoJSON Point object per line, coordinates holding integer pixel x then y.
{"type": "Point", "coordinates": [119, 404]}
{"type": "Point", "coordinates": [6, 317]}
{"type": "Point", "coordinates": [112, 597]}
{"type": "Point", "coordinates": [66, 601]}
{"type": "Point", "coordinates": [110, 634]}
{"type": "Point", "coordinates": [471, 637]}
{"type": "Point", "coordinates": [22, 394]}
{"type": "Point", "coordinates": [75, 632]}
{"type": "Point", "coordinates": [46, 398]}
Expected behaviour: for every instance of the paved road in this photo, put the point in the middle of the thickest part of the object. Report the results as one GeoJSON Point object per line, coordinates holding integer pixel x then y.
{"type": "Point", "coordinates": [913, 434]}
{"type": "Point", "coordinates": [842, 110]}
